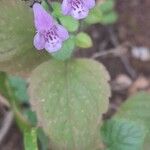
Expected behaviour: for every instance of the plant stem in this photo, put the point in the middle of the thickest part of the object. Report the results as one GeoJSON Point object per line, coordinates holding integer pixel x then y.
{"type": "Point", "coordinates": [49, 6]}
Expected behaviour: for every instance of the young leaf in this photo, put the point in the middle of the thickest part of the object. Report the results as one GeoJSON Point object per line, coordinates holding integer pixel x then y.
{"type": "Point", "coordinates": [109, 18]}
{"type": "Point", "coordinates": [66, 51]}
{"type": "Point", "coordinates": [83, 40]}
{"type": "Point", "coordinates": [94, 16]}
{"type": "Point", "coordinates": [69, 23]}
{"type": "Point", "coordinates": [107, 5]}
{"type": "Point", "coordinates": [121, 134]}
{"type": "Point", "coordinates": [56, 9]}
{"type": "Point", "coordinates": [30, 139]}
{"type": "Point", "coordinates": [70, 98]}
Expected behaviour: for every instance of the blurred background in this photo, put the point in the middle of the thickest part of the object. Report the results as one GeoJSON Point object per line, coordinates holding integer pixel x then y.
{"type": "Point", "coordinates": [121, 44]}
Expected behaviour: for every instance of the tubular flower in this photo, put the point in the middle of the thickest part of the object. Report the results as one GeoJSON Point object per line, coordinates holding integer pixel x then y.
{"type": "Point", "coordinates": [50, 35]}
{"type": "Point", "coordinates": [79, 9]}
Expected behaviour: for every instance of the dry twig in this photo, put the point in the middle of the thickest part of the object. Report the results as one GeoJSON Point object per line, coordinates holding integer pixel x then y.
{"type": "Point", "coordinates": [7, 122]}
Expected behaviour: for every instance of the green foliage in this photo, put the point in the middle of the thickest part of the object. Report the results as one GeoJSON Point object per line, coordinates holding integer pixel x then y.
{"type": "Point", "coordinates": [103, 13]}
{"type": "Point", "coordinates": [83, 40]}
{"type": "Point", "coordinates": [56, 9]}
{"type": "Point", "coordinates": [30, 116]}
{"type": "Point", "coordinates": [16, 37]}
{"type": "Point", "coordinates": [94, 16]}
{"type": "Point", "coordinates": [14, 89]}
{"type": "Point", "coordinates": [137, 108]}
{"type": "Point", "coordinates": [5, 87]}
{"type": "Point", "coordinates": [122, 134]}
{"type": "Point", "coordinates": [130, 128]}
{"type": "Point", "coordinates": [20, 88]}
{"type": "Point", "coordinates": [45, 6]}
{"type": "Point", "coordinates": [66, 51]}
{"type": "Point", "coordinates": [15, 22]}
{"type": "Point", "coordinates": [107, 6]}
{"type": "Point", "coordinates": [70, 98]}
{"type": "Point", "coordinates": [43, 140]}
{"type": "Point", "coordinates": [30, 139]}
{"type": "Point", "coordinates": [69, 23]}
{"type": "Point", "coordinates": [8, 91]}
{"type": "Point", "coordinates": [109, 18]}
{"type": "Point", "coordinates": [25, 118]}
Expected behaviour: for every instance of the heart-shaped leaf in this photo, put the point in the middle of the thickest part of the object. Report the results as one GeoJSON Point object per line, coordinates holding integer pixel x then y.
{"type": "Point", "coordinates": [70, 98]}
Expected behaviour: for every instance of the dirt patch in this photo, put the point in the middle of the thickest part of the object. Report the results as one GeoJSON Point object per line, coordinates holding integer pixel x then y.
{"type": "Point", "coordinates": [134, 21]}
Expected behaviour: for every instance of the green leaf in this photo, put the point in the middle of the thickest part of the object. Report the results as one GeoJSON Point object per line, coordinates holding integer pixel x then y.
{"type": "Point", "coordinates": [8, 92]}
{"type": "Point", "coordinates": [94, 16]}
{"type": "Point", "coordinates": [16, 37]}
{"type": "Point", "coordinates": [30, 139]}
{"type": "Point", "coordinates": [43, 139]}
{"type": "Point", "coordinates": [20, 88]}
{"type": "Point", "coordinates": [107, 5]}
{"type": "Point", "coordinates": [30, 116]}
{"type": "Point", "coordinates": [45, 5]}
{"type": "Point", "coordinates": [109, 18]}
{"type": "Point", "coordinates": [13, 34]}
{"type": "Point", "coordinates": [103, 13]}
{"type": "Point", "coordinates": [121, 134]}
{"type": "Point", "coordinates": [137, 108]}
{"type": "Point", "coordinates": [56, 9]}
{"type": "Point", "coordinates": [69, 99]}
{"type": "Point", "coordinates": [66, 51]}
{"type": "Point", "coordinates": [83, 40]}
{"type": "Point", "coordinates": [69, 23]}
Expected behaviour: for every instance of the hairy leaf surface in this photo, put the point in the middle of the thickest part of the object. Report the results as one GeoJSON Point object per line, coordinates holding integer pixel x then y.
{"type": "Point", "coordinates": [122, 134]}
{"type": "Point", "coordinates": [16, 37]}
{"type": "Point", "coordinates": [70, 98]}
{"type": "Point", "coordinates": [137, 108]}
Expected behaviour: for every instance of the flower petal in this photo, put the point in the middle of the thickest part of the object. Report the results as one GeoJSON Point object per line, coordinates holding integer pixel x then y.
{"type": "Point", "coordinates": [53, 47]}
{"type": "Point", "coordinates": [89, 3]}
{"type": "Point", "coordinates": [39, 42]}
{"type": "Point", "coordinates": [66, 7]}
{"type": "Point", "coordinates": [62, 32]}
{"type": "Point", "coordinates": [42, 19]}
{"type": "Point", "coordinates": [80, 14]}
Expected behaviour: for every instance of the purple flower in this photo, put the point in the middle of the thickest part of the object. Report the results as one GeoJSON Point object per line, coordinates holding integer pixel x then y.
{"type": "Point", "coordinates": [79, 9]}
{"type": "Point", "coordinates": [50, 35]}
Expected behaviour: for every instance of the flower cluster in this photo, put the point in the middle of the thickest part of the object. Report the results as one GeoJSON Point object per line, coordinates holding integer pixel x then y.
{"type": "Point", "coordinates": [50, 35]}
